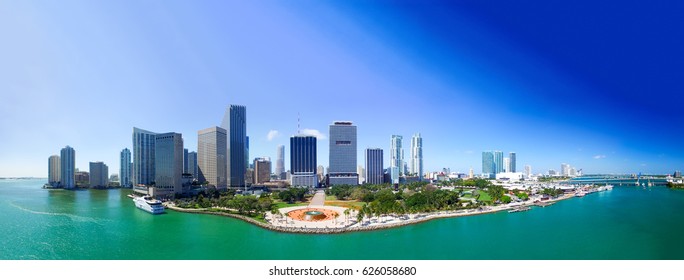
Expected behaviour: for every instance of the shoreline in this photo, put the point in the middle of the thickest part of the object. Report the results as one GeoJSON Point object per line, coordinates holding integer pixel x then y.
{"type": "Point", "coordinates": [359, 227]}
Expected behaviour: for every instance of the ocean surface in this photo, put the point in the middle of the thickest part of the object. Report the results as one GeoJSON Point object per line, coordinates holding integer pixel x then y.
{"type": "Point", "coordinates": [625, 223]}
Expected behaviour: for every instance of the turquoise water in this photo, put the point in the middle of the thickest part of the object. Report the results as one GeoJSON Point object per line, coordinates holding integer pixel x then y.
{"type": "Point", "coordinates": [625, 223]}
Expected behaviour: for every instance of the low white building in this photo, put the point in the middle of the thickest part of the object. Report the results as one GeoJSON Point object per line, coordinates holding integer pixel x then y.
{"type": "Point", "coordinates": [509, 177]}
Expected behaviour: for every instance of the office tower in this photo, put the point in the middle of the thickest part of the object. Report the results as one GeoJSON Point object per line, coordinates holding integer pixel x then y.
{"type": "Point", "coordinates": [528, 171]}
{"type": "Point", "coordinates": [235, 124]}
{"type": "Point", "coordinates": [362, 174]}
{"type": "Point", "coordinates": [512, 160]}
{"type": "Point", "coordinates": [185, 161]}
{"type": "Point", "coordinates": [125, 167]}
{"type": "Point", "coordinates": [552, 172]}
{"type": "Point", "coordinates": [192, 165]}
{"type": "Point", "coordinates": [417, 156]}
{"type": "Point", "coordinates": [99, 175]}
{"type": "Point", "coordinates": [342, 158]}
{"type": "Point", "coordinates": [396, 158]}
{"type": "Point", "coordinates": [471, 174]}
{"type": "Point", "coordinates": [320, 172]}
{"type": "Point", "coordinates": [143, 157]}
{"type": "Point", "coordinates": [488, 165]}
{"type": "Point", "coordinates": [565, 169]}
{"type": "Point", "coordinates": [498, 162]}
{"type": "Point", "coordinates": [303, 161]}
{"type": "Point", "coordinates": [168, 164]}
{"type": "Point", "coordinates": [374, 166]}
{"type": "Point", "coordinates": [507, 164]}
{"type": "Point", "coordinates": [262, 170]}
{"type": "Point", "coordinates": [247, 152]}
{"type": "Point", "coordinates": [53, 170]}
{"type": "Point", "coordinates": [572, 172]}
{"type": "Point", "coordinates": [677, 174]}
{"type": "Point", "coordinates": [67, 167]}
{"type": "Point", "coordinates": [212, 157]}
{"type": "Point", "coordinates": [280, 162]}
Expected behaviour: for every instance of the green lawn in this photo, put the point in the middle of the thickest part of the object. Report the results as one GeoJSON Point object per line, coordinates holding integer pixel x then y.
{"type": "Point", "coordinates": [282, 204]}
{"type": "Point", "coordinates": [346, 203]}
{"type": "Point", "coordinates": [484, 196]}
{"type": "Point", "coordinates": [330, 197]}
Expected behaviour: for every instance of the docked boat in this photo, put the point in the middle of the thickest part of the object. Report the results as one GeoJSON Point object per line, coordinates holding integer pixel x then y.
{"type": "Point", "coordinates": [149, 204]}
{"type": "Point", "coordinates": [519, 209]}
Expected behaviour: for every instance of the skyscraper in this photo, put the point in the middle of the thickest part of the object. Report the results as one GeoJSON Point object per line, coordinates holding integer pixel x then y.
{"type": "Point", "coordinates": [168, 164]}
{"type": "Point", "coordinates": [374, 166]}
{"type": "Point", "coordinates": [488, 165]}
{"type": "Point", "coordinates": [99, 175]}
{"type": "Point", "coordinates": [303, 161]}
{"type": "Point", "coordinates": [192, 165]}
{"type": "Point", "coordinates": [565, 169]}
{"type": "Point", "coordinates": [54, 170]}
{"type": "Point", "coordinates": [342, 158]}
{"type": "Point", "coordinates": [512, 160]}
{"type": "Point", "coordinates": [396, 158]}
{"type": "Point", "coordinates": [280, 162]}
{"type": "Point", "coordinates": [417, 156]}
{"type": "Point", "coordinates": [143, 156]}
{"type": "Point", "coordinates": [262, 170]}
{"type": "Point", "coordinates": [498, 162]}
{"type": "Point", "coordinates": [125, 168]}
{"type": "Point", "coordinates": [212, 156]}
{"type": "Point", "coordinates": [235, 124]}
{"type": "Point", "coordinates": [185, 161]}
{"type": "Point", "coordinates": [67, 167]}
{"type": "Point", "coordinates": [528, 171]}
{"type": "Point", "coordinates": [507, 164]}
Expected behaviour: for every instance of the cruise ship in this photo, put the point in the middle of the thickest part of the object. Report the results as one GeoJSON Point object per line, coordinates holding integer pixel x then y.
{"type": "Point", "coordinates": [149, 204]}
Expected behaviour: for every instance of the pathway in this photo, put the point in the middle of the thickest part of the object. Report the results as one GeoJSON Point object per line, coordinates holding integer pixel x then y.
{"type": "Point", "coordinates": [318, 199]}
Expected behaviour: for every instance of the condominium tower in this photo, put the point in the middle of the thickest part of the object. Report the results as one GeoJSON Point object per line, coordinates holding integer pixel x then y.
{"type": "Point", "coordinates": [417, 156]}
{"type": "Point", "coordinates": [67, 167]}
{"type": "Point", "coordinates": [53, 170]}
{"type": "Point", "coordinates": [125, 168]}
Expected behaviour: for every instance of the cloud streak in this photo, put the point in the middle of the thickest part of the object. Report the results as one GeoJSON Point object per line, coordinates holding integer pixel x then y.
{"type": "Point", "coordinates": [313, 132]}
{"type": "Point", "coordinates": [599, 156]}
{"type": "Point", "coordinates": [272, 134]}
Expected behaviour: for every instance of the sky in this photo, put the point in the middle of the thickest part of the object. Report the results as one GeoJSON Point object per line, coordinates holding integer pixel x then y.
{"type": "Point", "coordinates": [597, 85]}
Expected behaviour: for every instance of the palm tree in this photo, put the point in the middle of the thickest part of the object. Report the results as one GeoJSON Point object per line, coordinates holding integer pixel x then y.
{"type": "Point", "coordinates": [346, 214]}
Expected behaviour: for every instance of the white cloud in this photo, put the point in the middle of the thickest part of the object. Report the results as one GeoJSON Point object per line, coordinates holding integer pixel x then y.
{"type": "Point", "coordinates": [313, 132]}
{"type": "Point", "coordinates": [599, 156]}
{"type": "Point", "coordinates": [272, 135]}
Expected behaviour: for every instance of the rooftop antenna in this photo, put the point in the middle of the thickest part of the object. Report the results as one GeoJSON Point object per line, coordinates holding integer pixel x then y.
{"type": "Point", "coordinates": [298, 123]}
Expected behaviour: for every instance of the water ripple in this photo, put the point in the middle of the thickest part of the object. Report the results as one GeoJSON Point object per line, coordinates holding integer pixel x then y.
{"type": "Point", "coordinates": [75, 218]}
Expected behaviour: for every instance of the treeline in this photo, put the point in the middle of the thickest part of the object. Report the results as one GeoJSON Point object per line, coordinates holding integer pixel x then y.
{"type": "Point", "coordinates": [244, 204]}
{"type": "Point", "coordinates": [672, 185]}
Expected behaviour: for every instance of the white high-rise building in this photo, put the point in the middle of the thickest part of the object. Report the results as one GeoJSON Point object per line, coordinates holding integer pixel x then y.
{"type": "Point", "coordinates": [417, 156]}
{"type": "Point", "coordinates": [396, 158]}
{"type": "Point", "coordinates": [507, 164]}
{"type": "Point", "coordinates": [53, 170]}
{"type": "Point", "coordinates": [528, 171]}
{"type": "Point", "coordinates": [280, 162]}
{"type": "Point", "coordinates": [565, 169]}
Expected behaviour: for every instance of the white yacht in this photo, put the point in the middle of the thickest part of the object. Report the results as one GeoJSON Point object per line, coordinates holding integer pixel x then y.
{"type": "Point", "coordinates": [149, 204]}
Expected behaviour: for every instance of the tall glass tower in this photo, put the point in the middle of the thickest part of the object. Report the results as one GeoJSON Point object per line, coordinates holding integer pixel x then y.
{"type": "Point", "coordinates": [125, 168]}
{"type": "Point", "coordinates": [417, 156]}
{"type": "Point", "coordinates": [396, 158]}
{"type": "Point", "coordinates": [143, 156]}
{"type": "Point", "coordinates": [303, 161]}
{"type": "Point", "coordinates": [235, 123]}
{"type": "Point", "coordinates": [67, 167]}
{"type": "Point", "coordinates": [374, 167]}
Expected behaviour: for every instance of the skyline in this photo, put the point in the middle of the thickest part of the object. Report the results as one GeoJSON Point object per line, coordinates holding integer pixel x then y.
{"type": "Point", "coordinates": [597, 90]}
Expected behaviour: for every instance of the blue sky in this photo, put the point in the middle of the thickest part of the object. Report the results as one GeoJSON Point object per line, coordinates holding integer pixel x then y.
{"type": "Point", "coordinates": [596, 85]}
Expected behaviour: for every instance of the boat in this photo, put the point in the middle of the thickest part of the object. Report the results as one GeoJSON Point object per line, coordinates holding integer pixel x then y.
{"type": "Point", "coordinates": [131, 196]}
{"type": "Point", "coordinates": [149, 204]}
{"type": "Point", "coordinates": [580, 194]}
{"type": "Point", "coordinates": [519, 209]}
